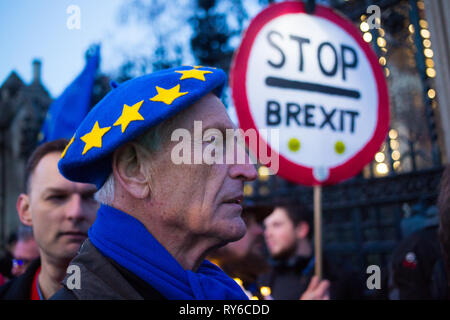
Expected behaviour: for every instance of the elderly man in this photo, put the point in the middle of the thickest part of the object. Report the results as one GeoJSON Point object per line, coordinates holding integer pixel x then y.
{"type": "Point", "coordinates": [60, 212]}
{"type": "Point", "coordinates": [158, 219]}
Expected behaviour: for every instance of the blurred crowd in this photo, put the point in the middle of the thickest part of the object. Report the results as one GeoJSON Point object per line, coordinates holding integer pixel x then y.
{"type": "Point", "coordinates": [274, 260]}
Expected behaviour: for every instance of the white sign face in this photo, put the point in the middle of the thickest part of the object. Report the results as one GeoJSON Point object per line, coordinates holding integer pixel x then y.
{"type": "Point", "coordinates": [309, 78]}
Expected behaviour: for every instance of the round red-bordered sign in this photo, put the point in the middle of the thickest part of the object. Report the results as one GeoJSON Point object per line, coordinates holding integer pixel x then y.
{"type": "Point", "coordinates": [289, 169]}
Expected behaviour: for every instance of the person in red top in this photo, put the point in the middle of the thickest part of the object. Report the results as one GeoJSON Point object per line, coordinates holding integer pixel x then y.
{"type": "Point", "coordinates": [60, 212]}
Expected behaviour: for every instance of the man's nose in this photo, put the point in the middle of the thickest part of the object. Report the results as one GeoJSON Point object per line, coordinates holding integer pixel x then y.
{"type": "Point", "coordinates": [246, 172]}
{"type": "Point", "coordinates": [74, 208]}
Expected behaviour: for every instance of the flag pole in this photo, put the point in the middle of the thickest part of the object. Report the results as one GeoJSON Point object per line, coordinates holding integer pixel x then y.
{"type": "Point", "coordinates": [318, 230]}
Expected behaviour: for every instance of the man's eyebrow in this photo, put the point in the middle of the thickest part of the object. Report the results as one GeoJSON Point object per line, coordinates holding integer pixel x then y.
{"type": "Point", "coordinates": [219, 126]}
{"type": "Point", "coordinates": [62, 190]}
{"type": "Point", "coordinates": [56, 190]}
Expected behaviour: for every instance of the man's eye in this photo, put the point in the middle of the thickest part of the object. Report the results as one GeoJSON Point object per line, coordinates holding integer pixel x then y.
{"type": "Point", "coordinates": [57, 197]}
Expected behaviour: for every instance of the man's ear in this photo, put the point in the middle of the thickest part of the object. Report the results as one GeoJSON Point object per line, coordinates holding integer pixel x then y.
{"type": "Point", "coordinates": [130, 171]}
{"type": "Point", "coordinates": [23, 209]}
{"type": "Point", "coordinates": [302, 230]}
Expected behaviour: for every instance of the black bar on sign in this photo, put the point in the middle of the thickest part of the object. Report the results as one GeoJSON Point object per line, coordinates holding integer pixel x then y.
{"type": "Point", "coordinates": [308, 86]}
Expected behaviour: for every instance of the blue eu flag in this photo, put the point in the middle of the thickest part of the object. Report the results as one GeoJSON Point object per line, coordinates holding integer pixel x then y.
{"type": "Point", "coordinates": [68, 110]}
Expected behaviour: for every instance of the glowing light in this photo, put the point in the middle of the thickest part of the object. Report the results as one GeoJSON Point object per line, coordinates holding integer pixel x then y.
{"type": "Point", "coordinates": [423, 23]}
{"type": "Point", "coordinates": [396, 164]}
{"type": "Point", "coordinates": [382, 61]}
{"type": "Point", "coordinates": [263, 173]}
{"type": "Point", "coordinates": [239, 281]}
{"type": "Point", "coordinates": [254, 298]}
{"type": "Point", "coordinates": [425, 33]}
{"type": "Point", "coordinates": [395, 155]}
{"type": "Point", "coordinates": [428, 53]}
{"type": "Point", "coordinates": [265, 291]}
{"type": "Point", "coordinates": [379, 157]}
{"type": "Point", "coordinates": [367, 37]}
{"type": "Point", "coordinates": [431, 93]}
{"type": "Point", "coordinates": [411, 28]}
{"type": "Point", "coordinates": [426, 43]}
{"type": "Point", "coordinates": [394, 144]}
{"type": "Point", "coordinates": [364, 26]}
{"type": "Point", "coordinates": [393, 134]}
{"type": "Point", "coordinates": [429, 63]}
{"type": "Point", "coordinates": [420, 5]}
{"type": "Point", "coordinates": [381, 42]}
{"type": "Point", "coordinates": [381, 32]}
{"type": "Point", "coordinates": [431, 72]}
{"type": "Point", "coordinates": [387, 72]}
{"type": "Point", "coordinates": [248, 190]}
{"type": "Point", "coordinates": [382, 168]}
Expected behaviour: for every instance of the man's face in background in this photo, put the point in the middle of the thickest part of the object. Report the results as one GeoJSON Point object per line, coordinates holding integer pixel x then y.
{"type": "Point", "coordinates": [279, 233]}
{"type": "Point", "coordinates": [60, 211]}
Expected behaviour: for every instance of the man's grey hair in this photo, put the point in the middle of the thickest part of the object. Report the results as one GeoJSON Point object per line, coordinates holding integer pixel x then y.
{"type": "Point", "coordinates": [151, 141]}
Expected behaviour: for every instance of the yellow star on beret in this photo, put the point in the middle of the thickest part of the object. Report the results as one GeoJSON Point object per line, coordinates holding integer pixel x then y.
{"type": "Point", "coordinates": [94, 138]}
{"type": "Point", "coordinates": [193, 74]}
{"type": "Point", "coordinates": [129, 114]}
{"type": "Point", "coordinates": [168, 95]}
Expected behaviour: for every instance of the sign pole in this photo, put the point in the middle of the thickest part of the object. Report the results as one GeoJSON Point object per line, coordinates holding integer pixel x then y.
{"type": "Point", "coordinates": [318, 230]}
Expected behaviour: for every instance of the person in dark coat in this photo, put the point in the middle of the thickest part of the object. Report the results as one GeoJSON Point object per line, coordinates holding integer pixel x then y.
{"type": "Point", "coordinates": [245, 260]}
{"type": "Point", "coordinates": [444, 222]}
{"type": "Point", "coordinates": [417, 270]}
{"type": "Point", "coordinates": [287, 231]}
{"type": "Point", "coordinates": [60, 212]}
{"type": "Point", "coordinates": [163, 207]}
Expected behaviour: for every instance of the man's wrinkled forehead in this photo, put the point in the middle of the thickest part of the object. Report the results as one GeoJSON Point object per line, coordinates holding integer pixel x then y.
{"type": "Point", "coordinates": [209, 110]}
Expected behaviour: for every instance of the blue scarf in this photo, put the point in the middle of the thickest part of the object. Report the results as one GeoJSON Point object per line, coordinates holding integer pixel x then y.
{"type": "Point", "coordinates": [124, 239]}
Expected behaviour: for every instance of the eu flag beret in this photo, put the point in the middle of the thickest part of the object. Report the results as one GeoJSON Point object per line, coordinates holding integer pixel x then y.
{"type": "Point", "coordinates": [128, 111]}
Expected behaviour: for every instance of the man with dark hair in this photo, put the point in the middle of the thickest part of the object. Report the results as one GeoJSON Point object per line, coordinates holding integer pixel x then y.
{"type": "Point", "coordinates": [60, 212]}
{"type": "Point", "coordinates": [245, 260]}
{"type": "Point", "coordinates": [288, 235]}
{"type": "Point", "coordinates": [444, 218]}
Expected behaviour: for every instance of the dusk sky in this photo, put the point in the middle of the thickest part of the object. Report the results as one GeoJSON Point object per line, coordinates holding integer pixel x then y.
{"type": "Point", "coordinates": [32, 29]}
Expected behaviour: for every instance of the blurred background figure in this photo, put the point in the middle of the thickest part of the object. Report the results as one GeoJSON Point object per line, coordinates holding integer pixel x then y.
{"type": "Point", "coordinates": [288, 234]}
{"type": "Point", "coordinates": [444, 218]}
{"type": "Point", "coordinates": [416, 268]}
{"type": "Point", "coordinates": [245, 260]}
{"type": "Point", "coordinates": [24, 251]}
{"type": "Point", "coordinates": [6, 259]}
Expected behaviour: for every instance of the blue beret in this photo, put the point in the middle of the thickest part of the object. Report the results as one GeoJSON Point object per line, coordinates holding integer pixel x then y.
{"type": "Point", "coordinates": [127, 112]}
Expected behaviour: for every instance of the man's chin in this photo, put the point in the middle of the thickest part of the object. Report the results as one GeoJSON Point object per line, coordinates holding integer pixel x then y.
{"type": "Point", "coordinates": [236, 230]}
{"type": "Point", "coordinates": [73, 245]}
